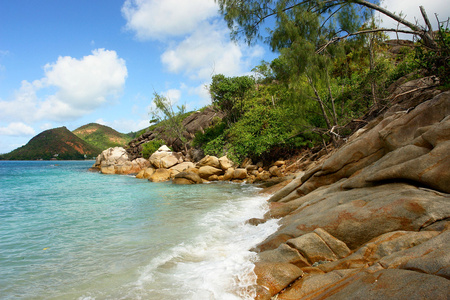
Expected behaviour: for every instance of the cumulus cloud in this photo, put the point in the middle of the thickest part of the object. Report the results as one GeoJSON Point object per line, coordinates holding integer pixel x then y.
{"type": "Point", "coordinates": [70, 88]}
{"type": "Point", "coordinates": [196, 39]}
{"type": "Point", "coordinates": [156, 19]}
{"type": "Point", "coordinates": [173, 95]}
{"type": "Point", "coordinates": [208, 51]}
{"type": "Point", "coordinates": [17, 129]}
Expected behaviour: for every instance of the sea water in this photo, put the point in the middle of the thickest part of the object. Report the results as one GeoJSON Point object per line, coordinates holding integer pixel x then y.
{"type": "Point", "coordinates": [66, 233]}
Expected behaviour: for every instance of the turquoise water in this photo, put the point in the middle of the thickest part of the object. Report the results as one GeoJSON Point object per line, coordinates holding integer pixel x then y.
{"type": "Point", "coordinates": [66, 233]}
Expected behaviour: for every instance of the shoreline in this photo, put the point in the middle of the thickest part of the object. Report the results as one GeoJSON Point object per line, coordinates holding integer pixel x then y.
{"type": "Point", "coordinates": [375, 209]}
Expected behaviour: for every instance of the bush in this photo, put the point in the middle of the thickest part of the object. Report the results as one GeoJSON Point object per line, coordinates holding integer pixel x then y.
{"type": "Point", "coordinates": [437, 61]}
{"type": "Point", "coordinates": [210, 133]}
{"type": "Point", "coordinates": [150, 147]}
{"type": "Point", "coordinates": [228, 94]}
{"type": "Point", "coordinates": [259, 131]}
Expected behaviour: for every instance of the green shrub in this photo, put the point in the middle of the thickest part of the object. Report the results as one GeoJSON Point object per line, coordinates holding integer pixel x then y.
{"type": "Point", "coordinates": [150, 147]}
{"type": "Point", "coordinates": [259, 131]}
{"type": "Point", "coordinates": [210, 133]}
{"type": "Point", "coordinates": [437, 61]}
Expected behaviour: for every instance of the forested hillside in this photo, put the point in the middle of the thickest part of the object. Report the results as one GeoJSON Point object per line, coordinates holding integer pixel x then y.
{"type": "Point", "coordinates": [334, 73]}
{"type": "Point", "coordinates": [58, 143]}
{"type": "Point", "coordinates": [101, 136]}
{"type": "Point", "coordinates": [335, 70]}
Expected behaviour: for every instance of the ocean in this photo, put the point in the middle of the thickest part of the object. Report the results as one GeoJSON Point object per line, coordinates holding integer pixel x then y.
{"type": "Point", "coordinates": [67, 233]}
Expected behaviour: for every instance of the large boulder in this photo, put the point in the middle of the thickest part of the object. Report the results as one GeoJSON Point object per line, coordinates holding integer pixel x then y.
{"type": "Point", "coordinates": [146, 173]}
{"type": "Point", "coordinates": [359, 215]}
{"type": "Point", "coordinates": [380, 247]}
{"type": "Point", "coordinates": [111, 156]}
{"type": "Point", "coordinates": [383, 284]}
{"type": "Point", "coordinates": [182, 167]}
{"type": "Point", "coordinates": [211, 161]}
{"type": "Point", "coordinates": [116, 161]}
{"type": "Point", "coordinates": [206, 171]}
{"type": "Point", "coordinates": [319, 246]}
{"type": "Point", "coordinates": [160, 175]}
{"type": "Point", "coordinates": [165, 158]}
{"type": "Point", "coordinates": [426, 126]}
{"type": "Point", "coordinates": [229, 174]}
{"type": "Point", "coordinates": [187, 178]}
{"type": "Point", "coordinates": [274, 277]}
{"type": "Point", "coordinates": [240, 173]}
{"type": "Point", "coordinates": [225, 163]}
{"type": "Point", "coordinates": [375, 210]}
{"type": "Point", "coordinates": [284, 254]}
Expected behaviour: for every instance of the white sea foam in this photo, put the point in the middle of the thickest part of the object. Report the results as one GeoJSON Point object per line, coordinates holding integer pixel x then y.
{"type": "Point", "coordinates": [218, 263]}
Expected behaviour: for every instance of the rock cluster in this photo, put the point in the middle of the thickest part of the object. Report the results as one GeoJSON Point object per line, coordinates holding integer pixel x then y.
{"type": "Point", "coordinates": [116, 161]}
{"type": "Point", "coordinates": [370, 221]}
{"type": "Point", "coordinates": [164, 165]}
{"type": "Point", "coordinates": [198, 121]}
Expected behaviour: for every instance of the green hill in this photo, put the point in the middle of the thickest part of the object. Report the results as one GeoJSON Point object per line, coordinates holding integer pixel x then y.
{"type": "Point", "coordinates": [101, 137]}
{"type": "Point", "coordinates": [58, 143]}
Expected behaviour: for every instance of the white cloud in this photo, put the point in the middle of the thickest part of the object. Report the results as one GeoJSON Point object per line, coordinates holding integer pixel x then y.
{"type": "Point", "coordinates": [125, 126]}
{"type": "Point", "coordinates": [46, 126]}
{"type": "Point", "coordinates": [71, 87]}
{"type": "Point", "coordinates": [17, 129]}
{"type": "Point", "coordinates": [173, 95]}
{"type": "Point", "coordinates": [156, 19]}
{"type": "Point", "coordinates": [203, 95]}
{"type": "Point", "coordinates": [209, 51]}
{"type": "Point", "coordinates": [24, 105]}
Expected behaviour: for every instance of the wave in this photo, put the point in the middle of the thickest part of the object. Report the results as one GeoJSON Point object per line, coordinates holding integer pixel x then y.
{"type": "Point", "coordinates": [217, 263]}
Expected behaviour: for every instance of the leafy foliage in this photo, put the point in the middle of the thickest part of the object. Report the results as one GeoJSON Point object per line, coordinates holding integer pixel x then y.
{"type": "Point", "coordinates": [228, 94]}
{"type": "Point", "coordinates": [165, 114]}
{"type": "Point", "coordinates": [150, 147]}
{"type": "Point", "coordinates": [327, 73]}
{"type": "Point", "coordinates": [266, 122]}
{"type": "Point", "coordinates": [437, 61]}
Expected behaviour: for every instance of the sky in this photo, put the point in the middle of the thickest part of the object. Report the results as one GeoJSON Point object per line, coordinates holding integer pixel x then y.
{"type": "Point", "coordinates": [73, 62]}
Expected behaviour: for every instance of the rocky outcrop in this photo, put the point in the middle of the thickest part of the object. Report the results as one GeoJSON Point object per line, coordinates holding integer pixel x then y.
{"type": "Point", "coordinates": [187, 178]}
{"type": "Point", "coordinates": [116, 161]}
{"type": "Point", "coordinates": [369, 221]}
{"type": "Point", "coordinates": [198, 121]}
{"type": "Point", "coordinates": [165, 158]}
{"type": "Point", "coordinates": [165, 165]}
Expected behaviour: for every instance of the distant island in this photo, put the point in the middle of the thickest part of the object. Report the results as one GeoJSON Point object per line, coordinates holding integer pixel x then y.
{"type": "Point", "coordinates": [85, 142]}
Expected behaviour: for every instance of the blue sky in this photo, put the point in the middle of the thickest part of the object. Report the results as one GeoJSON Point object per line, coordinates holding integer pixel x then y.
{"type": "Point", "coordinates": [72, 62]}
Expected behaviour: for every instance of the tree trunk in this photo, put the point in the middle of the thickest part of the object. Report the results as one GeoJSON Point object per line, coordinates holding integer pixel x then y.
{"type": "Point", "coordinates": [322, 108]}
{"type": "Point", "coordinates": [332, 100]}
{"type": "Point", "coordinates": [372, 67]}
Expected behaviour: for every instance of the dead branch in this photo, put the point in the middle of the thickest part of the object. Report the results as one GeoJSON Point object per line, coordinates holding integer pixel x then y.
{"type": "Point", "coordinates": [427, 21]}
{"type": "Point", "coordinates": [338, 38]}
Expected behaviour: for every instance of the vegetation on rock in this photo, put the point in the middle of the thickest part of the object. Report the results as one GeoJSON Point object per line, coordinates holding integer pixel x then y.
{"type": "Point", "coordinates": [149, 148]}
{"type": "Point", "coordinates": [335, 71]}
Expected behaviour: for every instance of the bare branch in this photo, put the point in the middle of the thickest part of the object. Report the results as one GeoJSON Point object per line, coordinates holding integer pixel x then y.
{"type": "Point", "coordinates": [389, 14]}
{"type": "Point", "coordinates": [427, 21]}
{"type": "Point", "coordinates": [362, 32]}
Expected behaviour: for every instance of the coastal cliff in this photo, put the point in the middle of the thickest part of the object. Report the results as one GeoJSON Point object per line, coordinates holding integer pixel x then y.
{"type": "Point", "coordinates": [371, 219]}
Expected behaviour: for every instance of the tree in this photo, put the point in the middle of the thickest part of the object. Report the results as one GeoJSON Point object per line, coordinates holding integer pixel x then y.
{"type": "Point", "coordinates": [244, 18]}
{"type": "Point", "coordinates": [228, 93]}
{"type": "Point", "coordinates": [164, 112]}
